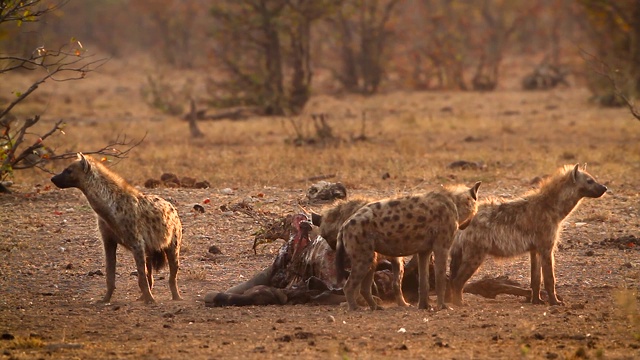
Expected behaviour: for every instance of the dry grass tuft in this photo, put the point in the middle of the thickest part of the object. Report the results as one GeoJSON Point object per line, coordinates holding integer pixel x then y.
{"type": "Point", "coordinates": [26, 343]}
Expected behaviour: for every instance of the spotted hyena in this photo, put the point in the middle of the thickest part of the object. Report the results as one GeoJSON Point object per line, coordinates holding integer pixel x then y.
{"type": "Point", "coordinates": [330, 222]}
{"type": "Point", "coordinates": [419, 224]}
{"type": "Point", "coordinates": [147, 225]}
{"type": "Point", "coordinates": [531, 223]}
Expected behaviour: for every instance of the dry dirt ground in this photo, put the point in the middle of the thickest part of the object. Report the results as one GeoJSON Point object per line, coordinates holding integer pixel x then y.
{"type": "Point", "coordinates": [51, 266]}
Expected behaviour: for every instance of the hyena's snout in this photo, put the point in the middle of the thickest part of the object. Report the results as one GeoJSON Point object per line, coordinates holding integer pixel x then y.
{"type": "Point", "coordinates": [63, 180]}
{"type": "Point", "coordinates": [595, 190]}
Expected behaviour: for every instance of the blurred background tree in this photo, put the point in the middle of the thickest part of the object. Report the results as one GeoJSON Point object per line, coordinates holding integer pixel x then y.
{"type": "Point", "coordinates": [22, 147]}
{"type": "Point", "coordinates": [614, 30]}
{"type": "Point", "coordinates": [274, 54]}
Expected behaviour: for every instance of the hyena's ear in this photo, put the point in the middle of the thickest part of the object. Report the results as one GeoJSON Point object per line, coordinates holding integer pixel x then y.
{"type": "Point", "coordinates": [316, 219]}
{"type": "Point", "coordinates": [574, 173]}
{"type": "Point", "coordinates": [86, 166]}
{"type": "Point", "coordinates": [474, 190]}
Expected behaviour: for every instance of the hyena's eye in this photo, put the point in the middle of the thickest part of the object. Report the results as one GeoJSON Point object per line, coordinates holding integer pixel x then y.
{"type": "Point", "coordinates": [590, 181]}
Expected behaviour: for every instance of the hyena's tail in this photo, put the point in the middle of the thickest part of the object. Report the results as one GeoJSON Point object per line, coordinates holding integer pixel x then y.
{"type": "Point", "coordinates": [341, 259]}
{"type": "Point", "coordinates": [158, 259]}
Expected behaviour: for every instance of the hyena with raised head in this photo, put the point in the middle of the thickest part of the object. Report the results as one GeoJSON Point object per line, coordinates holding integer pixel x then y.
{"type": "Point", "coordinates": [531, 223]}
{"type": "Point", "coordinates": [418, 224]}
{"type": "Point", "coordinates": [147, 225]}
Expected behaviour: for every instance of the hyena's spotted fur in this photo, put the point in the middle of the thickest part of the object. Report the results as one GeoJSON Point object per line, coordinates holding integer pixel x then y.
{"type": "Point", "coordinates": [506, 228]}
{"type": "Point", "coordinates": [419, 224]}
{"type": "Point", "coordinates": [329, 224]}
{"type": "Point", "coordinates": [147, 225]}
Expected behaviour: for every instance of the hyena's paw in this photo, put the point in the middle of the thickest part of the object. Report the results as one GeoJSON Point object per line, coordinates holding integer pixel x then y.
{"type": "Point", "coordinates": [556, 302]}
{"type": "Point", "coordinates": [537, 301]}
{"type": "Point", "coordinates": [147, 299]}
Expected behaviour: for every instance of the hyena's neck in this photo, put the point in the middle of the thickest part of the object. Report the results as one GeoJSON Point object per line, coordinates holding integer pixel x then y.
{"type": "Point", "coordinates": [557, 202]}
{"type": "Point", "coordinates": [104, 193]}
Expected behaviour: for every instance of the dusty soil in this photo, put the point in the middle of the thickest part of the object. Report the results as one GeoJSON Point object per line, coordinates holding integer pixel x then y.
{"type": "Point", "coordinates": [51, 261]}
{"type": "Point", "coordinates": [51, 252]}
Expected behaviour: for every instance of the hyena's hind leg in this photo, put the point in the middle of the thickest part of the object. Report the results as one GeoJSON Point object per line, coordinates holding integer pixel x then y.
{"type": "Point", "coordinates": [110, 243]}
{"type": "Point", "coordinates": [397, 266]}
{"type": "Point", "coordinates": [441, 254]}
{"type": "Point", "coordinates": [173, 258]}
{"type": "Point", "coordinates": [149, 263]}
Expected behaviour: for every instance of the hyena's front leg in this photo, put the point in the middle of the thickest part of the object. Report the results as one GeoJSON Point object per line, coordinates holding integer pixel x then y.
{"type": "Point", "coordinates": [139, 257]}
{"type": "Point", "coordinates": [397, 266]}
{"type": "Point", "coordinates": [361, 263]}
{"type": "Point", "coordinates": [110, 243]}
{"type": "Point", "coordinates": [365, 289]}
{"type": "Point", "coordinates": [535, 278]}
{"type": "Point", "coordinates": [441, 254]}
{"type": "Point", "coordinates": [548, 271]}
{"type": "Point", "coordinates": [423, 279]}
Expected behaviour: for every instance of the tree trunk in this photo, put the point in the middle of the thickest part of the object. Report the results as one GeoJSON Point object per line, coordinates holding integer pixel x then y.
{"type": "Point", "coordinates": [301, 80]}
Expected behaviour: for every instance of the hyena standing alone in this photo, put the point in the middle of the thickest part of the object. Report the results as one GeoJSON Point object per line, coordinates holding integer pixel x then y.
{"type": "Point", "coordinates": [506, 228]}
{"type": "Point", "coordinates": [419, 224]}
{"type": "Point", "coordinates": [147, 225]}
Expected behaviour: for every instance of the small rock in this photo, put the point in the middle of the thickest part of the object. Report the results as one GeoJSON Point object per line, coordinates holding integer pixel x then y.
{"type": "Point", "coordinates": [385, 176]}
{"type": "Point", "coordinates": [214, 250]}
{"type": "Point", "coordinates": [284, 338]}
{"type": "Point", "coordinates": [202, 185]}
{"type": "Point", "coordinates": [402, 347]}
{"type": "Point", "coordinates": [7, 336]}
{"type": "Point", "coordinates": [551, 355]}
{"type": "Point", "coordinates": [198, 208]}
{"type": "Point", "coordinates": [96, 272]}
{"type": "Point", "coordinates": [467, 165]}
{"type": "Point", "coordinates": [69, 266]}
{"type": "Point", "coordinates": [331, 319]}
{"type": "Point", "coordinates": [589, 253]}
{"type": "Point", "coordinates": [152, 183]}
{"type": "Point", "coordinates": [577, 306]}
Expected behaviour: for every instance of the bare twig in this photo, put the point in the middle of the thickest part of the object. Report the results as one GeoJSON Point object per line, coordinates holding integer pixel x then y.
{"type": "Point", "coordinates": [602, 68]}
{"type": "Point", "coordinates": [64, 63]}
